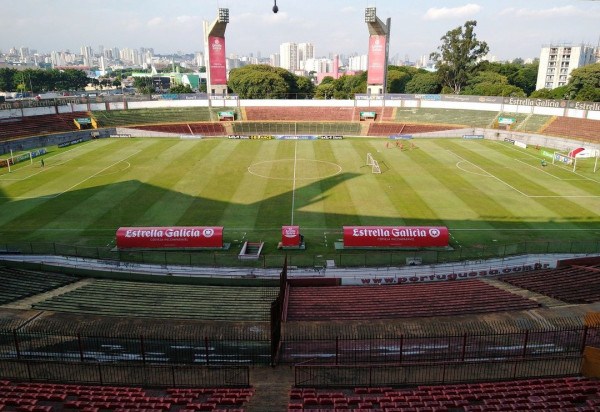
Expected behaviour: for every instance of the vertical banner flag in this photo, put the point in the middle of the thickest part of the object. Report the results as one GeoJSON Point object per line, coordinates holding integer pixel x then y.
{"type": "Point", "coordinates": [376, 68]}
{"type": "Point", "coordinates": [218, 65]}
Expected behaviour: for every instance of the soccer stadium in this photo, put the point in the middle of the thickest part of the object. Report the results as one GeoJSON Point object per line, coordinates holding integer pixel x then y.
{"type": "Point", "coordinates": [386, 253]}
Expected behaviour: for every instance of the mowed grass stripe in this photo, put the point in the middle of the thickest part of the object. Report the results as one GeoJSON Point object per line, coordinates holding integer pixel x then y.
{"type": "Point", "coordinates": [555, 208]}
{"type": "Point", "coordinates": [568, 183]}
{"type": "Point", "coordinates": [33, 214]}
{"type": "Point", "coordinates": [218, 179]}
{"type": "Point", "coordinates": [140, 188]}
{"type": "Point", "coordinates": [419, 189]}
{"type": "Point", "coordinates": [258, 201]}
{"type": "Point", "coordinates": [470, 189]}
{"type": "Point", "coordinates": [183, 185]}
{"type": "Point", "coordinates": [352, 198]}
{"type": "Point", "coordinates": [97, 201]}
{"type": "Point", "coordinates": [61, 172]}
{"type": "Point", "coordinates": [310, 204]}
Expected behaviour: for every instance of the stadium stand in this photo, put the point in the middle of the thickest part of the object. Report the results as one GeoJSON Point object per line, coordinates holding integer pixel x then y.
{"type": "Point", "coordinates": [572, 284]}
{"type": "Point", "coordinates": [13, 128]}
{"type": "Point", "coordinates": [313, 114]}
{"type": "Point", "coordinates": [387, 129]}
{"type": "Point", "coordinates": [567, 394]}
{"type": "Point", "coordinates": [457, 117]}
{"type": "Point", "coordinates": [114, 118]}
{"type": "Point", "coordinates": [585, 129]}
{"type": "Point", "coordinates": [201, 129]}
{"type": "Point", "coordinates": [292, 128]}
{"type": "Point", "coordinates": [31, 396]}
{"type": "Point", "coordinates": [18, 284]}
{"type": "Point", "coordinates": [400, 301]}
{"type": "Point", "coordinates": [142, 299]}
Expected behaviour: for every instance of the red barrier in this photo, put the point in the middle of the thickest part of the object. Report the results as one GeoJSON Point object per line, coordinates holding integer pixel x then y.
{"type": "Point", "coordinates": [395, 236]}
{"type": "Point", "coordinates": [290, 236]}
{"type": "Point", "coordinates": [178, 237]}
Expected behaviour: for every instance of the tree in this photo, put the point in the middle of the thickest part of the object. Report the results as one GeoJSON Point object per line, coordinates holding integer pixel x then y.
{"type": "Point", "coordinates": [558, 93]}
{"type": "Point", "coordinates": [181, 89]}
{"type": "Point", "coordinates": [458, 55]}
{"type": "Point", "coordinates": [424, 83]}
{"type": "Point", "coordinates": [260, 81]}
{"type": "Point", "coordinates": [584, 81]}
{"type": "Point", "coordinates": [398, 77]}
{"type": "Point", "coordinates": [491, 83]}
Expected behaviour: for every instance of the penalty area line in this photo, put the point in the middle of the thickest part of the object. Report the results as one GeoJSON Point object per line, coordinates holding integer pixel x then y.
{"type": "Point", "coordinates": [75, 185]}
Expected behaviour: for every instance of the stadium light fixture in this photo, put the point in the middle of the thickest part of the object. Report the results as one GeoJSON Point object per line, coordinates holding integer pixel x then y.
{"type": "Point", "coordinates": [223, 16]}
{"type": "Point", "coordinates": [370, 15]}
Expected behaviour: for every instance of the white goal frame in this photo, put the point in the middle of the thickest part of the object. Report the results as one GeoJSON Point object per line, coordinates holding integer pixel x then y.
{"type": "Point", "coordinates": [373, 163]}
{"type": "Point", "coordinates": [567, 160]}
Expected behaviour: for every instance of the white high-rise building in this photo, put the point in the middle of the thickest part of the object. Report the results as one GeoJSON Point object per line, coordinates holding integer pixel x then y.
{"type": "Point", "coordinates": [275, 60]}
{"type": "Point", "coordinates": [288, 55]}
{"type": "Point", "coordinates": [318, 65]}
{"type": "Point", "coordinates": [558, 61]}
{"type": "Point", "coordinates": [305, 51]}
{"type": "Point", "coordinates": [358, 63]}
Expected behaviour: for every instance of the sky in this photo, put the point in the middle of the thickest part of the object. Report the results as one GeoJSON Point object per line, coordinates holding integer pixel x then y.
{"type": "Point", "coordinates": [511, 28]}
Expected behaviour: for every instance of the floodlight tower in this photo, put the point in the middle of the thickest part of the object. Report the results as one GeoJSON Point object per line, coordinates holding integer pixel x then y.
{"type": "Point", "coordinates": [379, 40]}
{"type": "Point", "coordinates": [214, 49]}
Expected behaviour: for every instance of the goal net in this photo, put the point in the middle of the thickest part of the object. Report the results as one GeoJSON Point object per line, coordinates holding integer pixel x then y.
{"type": "Point", "coordinates": [373, 163]}
{"type": "Point", "coordinates": [561, 159]}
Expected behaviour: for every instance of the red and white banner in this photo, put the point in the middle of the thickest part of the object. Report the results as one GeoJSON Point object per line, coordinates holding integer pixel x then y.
{"type": "Point", "coordinates": [396, 236]}
{"type": "Point", "coordinates": [217, 60]}
{"type": "Point", "coordinates": [376, 59]}
{"type": "Point", "coordinates": [290, 236]}
{"type": "Point", "coordinates": [177, 237]}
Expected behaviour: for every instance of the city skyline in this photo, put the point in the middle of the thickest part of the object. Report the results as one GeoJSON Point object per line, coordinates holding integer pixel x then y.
{"type": "Point", "coordinates": [512, 30]}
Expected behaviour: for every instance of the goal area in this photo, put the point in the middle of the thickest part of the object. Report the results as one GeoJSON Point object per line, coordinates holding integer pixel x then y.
{"type": "Point", "coordinates": [576, 163]}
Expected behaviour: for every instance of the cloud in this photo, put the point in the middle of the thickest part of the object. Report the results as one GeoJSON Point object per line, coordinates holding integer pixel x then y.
{"type": "Point", "coordinates": [440, 13]}
{"type": "Point", "coordinates": [348, 9]}
{"type": "Point", "coordinates": [156, 21]}
{"type": "Point", "coordinates": [563, 11]}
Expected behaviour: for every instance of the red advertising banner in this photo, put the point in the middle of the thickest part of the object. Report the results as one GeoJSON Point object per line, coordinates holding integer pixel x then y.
{"type": "Point", "coordinates": [179, 237]}
{"type": "Point", "coordinates": [217, 60]}
{"type": "Point", "coordinates": [395, 236]}
{"type": "Point", "coordinates": [290, 236]}
{"type": "Point", "coordinates": [376, 59]}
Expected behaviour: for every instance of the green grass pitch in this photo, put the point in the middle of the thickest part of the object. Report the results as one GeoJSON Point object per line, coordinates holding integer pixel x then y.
{"type": "Point", "coordinates": [485, 192]}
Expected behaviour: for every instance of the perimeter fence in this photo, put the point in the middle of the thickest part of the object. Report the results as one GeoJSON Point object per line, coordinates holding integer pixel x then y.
{"type": "Point", "coordinates": [343, 258]}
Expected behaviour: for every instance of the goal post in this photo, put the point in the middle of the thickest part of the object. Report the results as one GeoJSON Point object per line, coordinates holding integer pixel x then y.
{"type": "Point", "coordinates": [563, 159]}
{"type": "Point", "coordinates": [373, 163]}
{"type": "Point", "coordinates": [370, 159]}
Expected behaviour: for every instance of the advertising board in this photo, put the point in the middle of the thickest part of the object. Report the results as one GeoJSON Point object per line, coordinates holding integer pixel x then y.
{"type": "Point", "coordinates": [170, 237]}
{"type": "Point", "coordinates": [396, 236]}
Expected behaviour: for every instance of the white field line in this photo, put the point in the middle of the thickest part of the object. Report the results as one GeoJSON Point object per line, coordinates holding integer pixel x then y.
{"type": "Point", "coordinates": [545, 171]}
{"type": "Point", "coordinates": [41, 170]}
{"type": "Point", "coordinates": [517, 190]}
{"type": "Point", "coordinates": [75, 185]}
{"type": "Point", "coordinates": [535, 157]}
{"type": "Point", "coordinates": [49, 167]}
{"type": "Point", "coordinates": [294, 181]}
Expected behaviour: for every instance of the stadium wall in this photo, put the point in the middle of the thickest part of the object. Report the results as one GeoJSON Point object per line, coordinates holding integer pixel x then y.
{"type": "Point", "coordinates": [36, 142]}
{"type": "Point", "coordinates": [544, 107]}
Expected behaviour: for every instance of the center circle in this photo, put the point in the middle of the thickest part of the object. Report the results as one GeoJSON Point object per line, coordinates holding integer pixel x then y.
{"type": "Point", "coordinates": [305, 169]}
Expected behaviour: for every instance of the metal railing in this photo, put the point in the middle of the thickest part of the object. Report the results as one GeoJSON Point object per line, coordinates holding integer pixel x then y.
{"type": "Point", "coordinates": [344, 258]}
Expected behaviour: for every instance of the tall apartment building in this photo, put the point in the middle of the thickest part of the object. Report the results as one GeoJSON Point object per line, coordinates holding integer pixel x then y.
{"type": "Point", "coordinates": [558, 61]}
{"type": "Point", "coordinates": [288, 56]}
{"type": "Point", "coordinates": [306, 51]}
